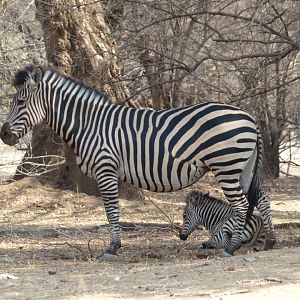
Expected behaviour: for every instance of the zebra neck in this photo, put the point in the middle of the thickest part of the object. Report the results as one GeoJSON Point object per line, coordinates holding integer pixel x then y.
{"type": "Point", "coordinates": [71, 107]}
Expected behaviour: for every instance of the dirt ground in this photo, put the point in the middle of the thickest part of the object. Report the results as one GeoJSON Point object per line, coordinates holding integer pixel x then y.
{"type": "Point", "coordinates": [49, 238]}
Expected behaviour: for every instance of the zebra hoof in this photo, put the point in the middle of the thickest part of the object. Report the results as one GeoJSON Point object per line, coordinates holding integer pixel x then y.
{"type": "Point", "coordinates": [226, 254]}
{"type": "Point", "coordinates": [107, 257]}
{"type": "Point", "coordinates": [208, 245]}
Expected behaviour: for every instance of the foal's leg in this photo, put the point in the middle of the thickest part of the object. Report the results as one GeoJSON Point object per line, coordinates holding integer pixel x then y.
{"type": "Point", "coordinates": [219, 240]}
{"type": "Point", "coordinates": [264, 208]}
{"type": "Point", "coordinates": [220, 236]}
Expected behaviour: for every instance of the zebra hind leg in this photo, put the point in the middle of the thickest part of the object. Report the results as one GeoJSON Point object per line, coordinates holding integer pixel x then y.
{"type": "Point", "coordinates": [239, 202]}
{"type": "Point", "coordinates": [264, 208]}
{"type": "Point", "coordinates": [259, 238]}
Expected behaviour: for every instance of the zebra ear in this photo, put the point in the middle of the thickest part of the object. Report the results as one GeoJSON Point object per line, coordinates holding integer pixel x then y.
{"type": "Point", "coordinates": [201, 194]}
{"type": "Point", "coordinates": [35, 76]}
{"type": "Point", "coordinates": [193, 198]}
{"type": "Point", "coordinates": [193, 201]}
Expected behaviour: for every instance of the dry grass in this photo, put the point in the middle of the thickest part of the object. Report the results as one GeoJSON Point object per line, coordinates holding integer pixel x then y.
{"type": "Point", "coordinates": [50, 237]}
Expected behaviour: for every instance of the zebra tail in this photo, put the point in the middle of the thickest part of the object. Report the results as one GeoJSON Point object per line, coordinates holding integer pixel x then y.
{"type": "Point", "coordinates": [254, 188]}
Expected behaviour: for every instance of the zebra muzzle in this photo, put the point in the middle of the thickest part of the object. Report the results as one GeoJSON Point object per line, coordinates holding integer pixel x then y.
{"type": "Point", "coordinates": [7, 136]}
{"type": "Point", "coordinates": [183, 236]}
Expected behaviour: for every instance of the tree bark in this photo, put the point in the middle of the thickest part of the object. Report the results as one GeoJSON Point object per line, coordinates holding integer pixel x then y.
{"type": "Point", "coordinates": [155, 76]}
{"type": "Point", "coordinates": [271, 151]}
{"type": "Point", "coordinates": [78, 42]}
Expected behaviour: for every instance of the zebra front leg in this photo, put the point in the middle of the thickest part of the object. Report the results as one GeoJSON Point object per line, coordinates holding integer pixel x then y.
{"type": "Point", "coordinates": [220, 239]}
{"type": "Point", "coordinates": [264, 208]}
{"type": "Point", "coordinates": [112, 212]}
{"type": "Point", "coordinates": [210, 244]}
{"type": "Point", "coordinates": [109, 191]}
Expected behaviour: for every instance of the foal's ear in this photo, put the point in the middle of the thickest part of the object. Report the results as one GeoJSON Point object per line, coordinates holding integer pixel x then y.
{"type": "Point", "coordinates": [35, 76]}
{"type": "Point", "coordinates": [193, 197]}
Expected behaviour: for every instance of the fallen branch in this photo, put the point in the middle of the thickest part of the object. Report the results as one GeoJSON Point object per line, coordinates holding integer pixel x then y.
{"type": "Point", "coordinates": [37, 165]}
{"type": "Point", "coordinates": [173, 226]}
{"type": "Point", "coordinates": [87, 257]}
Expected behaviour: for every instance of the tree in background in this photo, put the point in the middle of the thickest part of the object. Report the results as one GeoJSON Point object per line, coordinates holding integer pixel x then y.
{"type": "Point", "coordinates": [20, 43]}
{"type": "Point", "coordinates": [244, 53]}
{"type": "Point", "coordinates": [78, 42]}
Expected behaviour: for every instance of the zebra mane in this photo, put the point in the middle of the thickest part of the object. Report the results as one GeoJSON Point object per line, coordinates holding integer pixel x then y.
{"type": "Point", "coordinates": [23, 75]}
{"type": "Point", "coordinates": [196, 197]}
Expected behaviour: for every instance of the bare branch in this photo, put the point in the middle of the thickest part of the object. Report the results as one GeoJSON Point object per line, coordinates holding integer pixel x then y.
{"type": "Point", "coordinates": [171, 221]}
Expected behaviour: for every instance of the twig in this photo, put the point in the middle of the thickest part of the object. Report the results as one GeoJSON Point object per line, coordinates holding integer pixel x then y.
{"type": "Point", "coordinates": [172, 225]}
{"type": "Point", "coordinates": [89, 247]}
{"type": "Point", "coordinates": [272, 279]}
{"type": "Point", "coordinates": [268, 279]}
{"type": "Point", "coordinates": [37, 165]}
{"type": "Point", "coordinates": [88, 257]}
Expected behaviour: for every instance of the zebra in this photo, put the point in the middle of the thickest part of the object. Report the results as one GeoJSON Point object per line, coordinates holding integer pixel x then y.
{"type": "Point", "coordinates": [217, 216]}
{"type": "Point", "coordinates": [160, 151]}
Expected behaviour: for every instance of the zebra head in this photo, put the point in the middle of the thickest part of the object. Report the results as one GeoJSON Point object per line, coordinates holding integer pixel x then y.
{"type": "Point", "coordinates": [192, 216]}
{"type": "Point", "coordinates": [27, 109]}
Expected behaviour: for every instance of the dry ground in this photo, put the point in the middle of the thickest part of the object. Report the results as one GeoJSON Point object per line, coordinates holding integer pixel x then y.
{"type": "Point", "coordinates": [49, 237]}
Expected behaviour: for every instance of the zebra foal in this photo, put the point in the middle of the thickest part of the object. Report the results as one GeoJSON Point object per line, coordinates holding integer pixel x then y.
{"type": "Point", "coordinates": [160, 151]}
{"type": "Point", "coordinates": [217, 216]}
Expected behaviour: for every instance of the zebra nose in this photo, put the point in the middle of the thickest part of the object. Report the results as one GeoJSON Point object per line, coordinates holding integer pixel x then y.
{"type": "Point", "coordinates": [7, 136]}
{"type": "Point", "coordinates": [182, 236]}
{"type": "Point", "coordinates": [5, 130]}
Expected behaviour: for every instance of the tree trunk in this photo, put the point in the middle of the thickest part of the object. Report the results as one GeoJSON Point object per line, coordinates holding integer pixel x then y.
{"type": "Point", "coordinates": [271, 138]}
{"type": "Point", "coordinates": [78, 42]}
{"type": "Point", "coordinates": [155, 76]}
{"type": "Point", "coordinates": [271, 150]}
{"type": "Point", "coordinates": [259, 105]}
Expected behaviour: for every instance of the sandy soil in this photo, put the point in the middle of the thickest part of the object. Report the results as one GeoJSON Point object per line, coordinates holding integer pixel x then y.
{"type": "Point", "coordinates": [49, 238]}
{"type": "Point", "coordinates": [9, 160]}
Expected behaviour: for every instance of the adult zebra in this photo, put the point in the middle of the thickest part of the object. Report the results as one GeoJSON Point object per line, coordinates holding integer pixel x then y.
{"type": "Point", "coordinates": [159, 151]}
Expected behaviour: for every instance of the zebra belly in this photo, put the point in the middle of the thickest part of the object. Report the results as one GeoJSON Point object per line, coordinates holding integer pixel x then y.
{"type": "Point", "coordinates": [188, 174]}
{"type": "Point", "coordinates": [85, 168]}
{"type": "Point", "coordinates": [172, 177]}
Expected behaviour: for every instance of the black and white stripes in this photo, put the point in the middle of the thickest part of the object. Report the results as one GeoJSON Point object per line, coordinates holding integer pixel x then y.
{"type": "Point", "coordinates": [160, 151]}
{"type": "Point", "coordinates": [217, 216]}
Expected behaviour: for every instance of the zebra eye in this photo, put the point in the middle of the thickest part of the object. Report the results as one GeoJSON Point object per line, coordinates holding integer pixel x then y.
{"type": "Point", "coordinates": [184, 215]}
